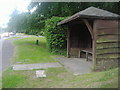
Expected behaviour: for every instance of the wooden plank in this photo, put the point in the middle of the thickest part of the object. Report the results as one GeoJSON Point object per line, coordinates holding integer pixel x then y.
{"type": "Point", "coordinates": [74, 52]}
{"type": "Point", "coordinates": [100, 59]}
{"type": "Point", "coordinates": [110, 55]}
{"type": "Point", "coordinates": [108, 36]}
{"type": "Point", "coordinates": [109, 42]}
{"type": "Point", "coordinates": [106, 23]}
{"type": "Point", "coordinates": [106, 28]}
{"type": "Point", "coordinates": [107, 31]}
{"type": "Point", "coordinates": [100, 35]}
{"type": "Point", "coordinates": [86, 52]}
{"type": "Point", "coordinates": [108, 50]}
{"type": "Point", "coordinates": [107, 45]}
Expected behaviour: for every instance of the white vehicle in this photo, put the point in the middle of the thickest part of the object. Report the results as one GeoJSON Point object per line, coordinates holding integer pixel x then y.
{"type": "Point", "coordinates": [11, 33]}
{"type": "Point", "coordinates": [6, 34]}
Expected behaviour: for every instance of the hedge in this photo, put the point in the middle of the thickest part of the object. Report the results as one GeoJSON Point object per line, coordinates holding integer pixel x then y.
{"type": "Point", "coordinates": [55, 35]}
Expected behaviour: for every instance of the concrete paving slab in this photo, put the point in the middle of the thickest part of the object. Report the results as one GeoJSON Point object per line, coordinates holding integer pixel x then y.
{"type": "Point", "coordinates": [40, 73]}
{"type": "Point", "coordinates": [36, 66]}
{"type": "Point", "coordinates": [78, 66]}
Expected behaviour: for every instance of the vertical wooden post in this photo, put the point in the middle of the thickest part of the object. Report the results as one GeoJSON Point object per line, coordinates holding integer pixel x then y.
{"type": "Point", "coordinates": [94, 54]}
{"type": "Point", "coordinates": [86, 56]}
{"type": "Point", "coordinates": [79, 54]}
{"type": "Point", "coordinates": [93, 35]}
{"type": "Point", "coordinates": [94, 46]}
{"type": "Point", "coordinates": [68, 43]}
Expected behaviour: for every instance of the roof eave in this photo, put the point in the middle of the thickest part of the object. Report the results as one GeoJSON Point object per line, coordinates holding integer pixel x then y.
{"type": "Point", "coordinates": [87, 16]}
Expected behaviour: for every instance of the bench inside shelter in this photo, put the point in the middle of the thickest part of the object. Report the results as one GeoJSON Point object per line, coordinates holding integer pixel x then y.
{"type": "Point", "coordinates": [86, 54]}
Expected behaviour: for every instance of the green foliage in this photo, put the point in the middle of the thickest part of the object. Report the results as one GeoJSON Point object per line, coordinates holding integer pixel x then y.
{"type": "Point", "coordinates": [55, 35]}
{"type": "Point", "coordinates": [18, 22]}
{"type": "Point", "coordinates": [62, 9]}
{"type": "Point", "coordinates": [26, 23]}
{"type": "Point", "coordinates": [41, 33]}
{"type": "Point", "coordinates": [56, 51]}
{"type": "Point", "coordinates": [33, 23]}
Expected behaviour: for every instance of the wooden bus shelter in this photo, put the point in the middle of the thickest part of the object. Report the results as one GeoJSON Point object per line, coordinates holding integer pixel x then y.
{"type": "Point", "coordinates": [93, 34]}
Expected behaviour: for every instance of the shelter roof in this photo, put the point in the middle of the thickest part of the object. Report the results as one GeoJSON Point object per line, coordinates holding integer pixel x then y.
{"type": "Point", "coordinates": [91, 12]}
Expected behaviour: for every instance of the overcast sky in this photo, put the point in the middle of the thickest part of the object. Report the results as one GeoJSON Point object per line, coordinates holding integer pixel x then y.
{"type": "Point", "coordinates": [7, 7]}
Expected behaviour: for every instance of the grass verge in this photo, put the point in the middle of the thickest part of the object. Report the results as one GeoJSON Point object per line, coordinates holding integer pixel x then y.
{"type": "Point", "coordinates": [60, 78]}
{"type": "Point", "coordinates": [28, 52]}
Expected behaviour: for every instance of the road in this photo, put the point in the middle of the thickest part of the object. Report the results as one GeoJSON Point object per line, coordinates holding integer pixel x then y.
{"type": "Point", "coordinates": [1, 55]}
{"type": "Point", "coordinates": [6, 53]}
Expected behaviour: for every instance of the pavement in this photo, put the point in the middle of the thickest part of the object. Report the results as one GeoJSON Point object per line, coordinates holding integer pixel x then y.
{"type": "Point", "coordinates": [36, 66]}
{"type": "Point", "coordinates": [1, 55]}
{"type": "Point", "coordinates": [7, 51]}
{"type": "Point", "coordinates": [77, 66]}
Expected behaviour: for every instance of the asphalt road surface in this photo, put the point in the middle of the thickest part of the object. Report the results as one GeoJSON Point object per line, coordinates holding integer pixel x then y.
{"type": "Point", "coordinates": [1, 55]}
{"type": "Point", "coordinates": [6, 53]}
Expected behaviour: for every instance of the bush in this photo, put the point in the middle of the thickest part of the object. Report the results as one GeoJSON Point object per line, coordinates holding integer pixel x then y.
{"type": "Point", "coordinates": [55, 35]}
{"type": "Point", "coordinates": [41, 33]}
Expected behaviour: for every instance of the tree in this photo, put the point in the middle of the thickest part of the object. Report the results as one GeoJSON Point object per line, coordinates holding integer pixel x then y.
{"type": "Point", "coordinates": [17, 22]}
{"type": "Point", "coordinates": [31, 23]}
{"type": "Point", "coordinates": [35, 23]}
{"type": "Point", "coordinates": [49, 9]}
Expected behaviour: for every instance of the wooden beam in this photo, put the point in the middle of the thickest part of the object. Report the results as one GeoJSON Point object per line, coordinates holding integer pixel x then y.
{"type": "Point", "coordinates": [89, 27]}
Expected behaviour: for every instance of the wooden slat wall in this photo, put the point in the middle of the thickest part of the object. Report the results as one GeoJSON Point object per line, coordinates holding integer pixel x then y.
{"type": "Point", "coordinates": [107, 40]}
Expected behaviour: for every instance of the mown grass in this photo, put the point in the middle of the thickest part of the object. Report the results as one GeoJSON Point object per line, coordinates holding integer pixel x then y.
{"type": "Point", "coordinates": [11, 79]}
{"type": "Point", "coordinates": [28, 52]}
{"type": "Point", "coordinates": [60, 78]}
